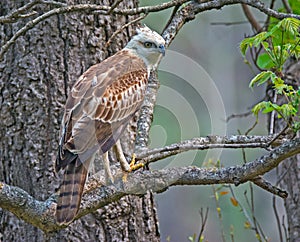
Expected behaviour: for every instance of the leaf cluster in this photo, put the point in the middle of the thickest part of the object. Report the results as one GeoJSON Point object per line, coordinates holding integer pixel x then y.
{"type": "Point", "coordinates": [279, 43]}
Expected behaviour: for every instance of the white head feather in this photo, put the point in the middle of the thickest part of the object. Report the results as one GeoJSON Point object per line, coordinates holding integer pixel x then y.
{"type": "Point", "coordinates": [148, 45]}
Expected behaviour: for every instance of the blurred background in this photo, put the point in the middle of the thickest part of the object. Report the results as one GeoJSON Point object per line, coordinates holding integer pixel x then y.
{"type": "Point", "coordinates": [204, 80]}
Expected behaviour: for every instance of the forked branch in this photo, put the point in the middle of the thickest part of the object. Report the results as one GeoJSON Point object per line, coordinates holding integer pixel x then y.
{"type": "Point", "coordinates": [41, 214]}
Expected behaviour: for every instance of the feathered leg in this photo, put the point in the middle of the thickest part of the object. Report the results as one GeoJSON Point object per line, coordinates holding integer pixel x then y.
{"type": "Point", "coordinates": [71, 190]}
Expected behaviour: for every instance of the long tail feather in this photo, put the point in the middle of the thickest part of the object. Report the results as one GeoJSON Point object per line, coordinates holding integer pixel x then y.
{"type": "Point", "coordinates": [71, 190]}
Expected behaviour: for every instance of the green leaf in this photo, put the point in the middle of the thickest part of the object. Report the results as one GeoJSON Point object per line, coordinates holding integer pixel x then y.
{"type": "Point", "coordinates": [290, 25]}
{"type": "Point", "coordinates": [280, 87]}
{"type": "Point", "coordinates": [264, 61]}
{"type": "Point", "coordinates": [259, 38]}
{"type": "Point", "coordinates": [261, 78]}
{"type": "Point", "coordinates": [288, 110]}
{"type": "Point", "coordinates": [245, 44]}
{"type": "Point", "coordinates": [258, 107]}
{"type": "Point", "coordinates": [270, 107]}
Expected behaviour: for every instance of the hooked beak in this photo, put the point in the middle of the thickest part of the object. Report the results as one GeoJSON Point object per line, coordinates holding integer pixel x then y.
{"type": "Point", "coordinates": [162, 49]}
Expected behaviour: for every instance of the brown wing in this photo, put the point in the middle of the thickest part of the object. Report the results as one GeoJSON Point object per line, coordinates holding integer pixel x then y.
{"type": "Point", "coordinates": [100, 105]}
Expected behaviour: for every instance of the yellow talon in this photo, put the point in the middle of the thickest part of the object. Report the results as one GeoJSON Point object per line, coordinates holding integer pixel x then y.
{"type": "Point", "coordinates": [132, 163]}
{"type": "Point", "coordinates": [134, 166]}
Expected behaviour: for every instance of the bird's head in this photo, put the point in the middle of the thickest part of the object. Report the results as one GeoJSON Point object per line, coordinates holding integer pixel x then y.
{"type": "Point", "coordinates": [148, 45]}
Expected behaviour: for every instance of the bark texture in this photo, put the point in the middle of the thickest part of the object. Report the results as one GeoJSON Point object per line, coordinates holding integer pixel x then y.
{"type": "Point", "coordinates": [35, 78]}
{"type": "Point", "coordinates": [289, 169]}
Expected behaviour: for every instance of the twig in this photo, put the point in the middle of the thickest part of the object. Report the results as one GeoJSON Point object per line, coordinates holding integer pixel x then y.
{"type": "Point", "coordinates": [230, 23]}
{"type": "Point", "coordinates": [255, 225]}
{"type": "Point", "coordinates": [240, 115]}
{"type": "Point", "coordinates": [252, 127]}
{"type": "Point", "coordinates": [203, 143]}
{"type": "Point", "coordinates": [287, 6]}
{"type": "Point", "coordinates": [262, 183]}
{"type": "Point", "coordinates": [123, 27]}
{"type": "Point", "coordinates": [285, 229]}
{"type": "Point", "coordinates": [251, 18]}
{"type": "Point", "coordinates": [14, 15]}
{"type": "Point", "coordinates": [277, 217]}
{"type": "Point", "coordinates": [244, 211]}
{"type": "Point", "coordinates": [267, 23]}
{"type": "Point", "coordinates": [277, 135]}
{"type": "Point", "coordinates": [203, 222]}
{"type": "Point", "coordinates": [113, 6]}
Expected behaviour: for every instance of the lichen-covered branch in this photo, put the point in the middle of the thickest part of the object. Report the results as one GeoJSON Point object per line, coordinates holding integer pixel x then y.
{"type": "Point", "coordinates": [209, 142]}
{"type": "Point", "coordinates": [41, 214]}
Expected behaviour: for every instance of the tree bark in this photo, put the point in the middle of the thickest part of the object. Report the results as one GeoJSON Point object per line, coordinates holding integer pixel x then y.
{"type": "Point", "coordinates": [35, 78]}
{"type": "Point", "coordinates": [289, 169]}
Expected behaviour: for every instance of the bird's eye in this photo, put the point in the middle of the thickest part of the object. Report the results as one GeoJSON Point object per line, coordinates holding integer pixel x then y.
{"type": "Point", "coordinates": [148, 44]}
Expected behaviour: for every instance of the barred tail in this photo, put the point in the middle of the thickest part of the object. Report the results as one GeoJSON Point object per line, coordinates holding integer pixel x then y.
{"type": "Point", "coordinates": [70, 192]}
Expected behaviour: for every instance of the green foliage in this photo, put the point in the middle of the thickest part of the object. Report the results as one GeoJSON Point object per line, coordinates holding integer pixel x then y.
{"type": "Point", "coordinates": [279, 43]}
{"type": "Point", "coordinates": [295, 6]}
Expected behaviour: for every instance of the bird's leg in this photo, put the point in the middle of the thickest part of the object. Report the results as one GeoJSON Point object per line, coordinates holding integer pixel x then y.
{"type": "Point", "coordinates": [121, 158]}
{"type": "Point", "coordinates": [108, 176]}
{"type": "Point", "coordinates": [124, 164]}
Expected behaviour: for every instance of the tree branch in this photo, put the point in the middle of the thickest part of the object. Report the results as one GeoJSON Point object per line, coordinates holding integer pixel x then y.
{"type": "Point", "coordinates": [41, 214]}
{"type": "Point", "coordinates": [16, 14]}
{"type": "Point", "coordinates": [209, 142]}
{"type": "Point", "coordinates": [188, 13]}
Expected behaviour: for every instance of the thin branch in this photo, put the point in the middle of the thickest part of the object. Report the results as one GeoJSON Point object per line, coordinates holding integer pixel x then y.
{"type": "Point", "coordinates": [252, 20]}
{"type": "Point", "coordinates": [230, 23]}
{"type": "Point", "coordinates": [267, 23]}
{"type": "Point", "coordinates": [123, 27]}
{"type": "Point", "coordinates": [259, 181]}
{"type": "Point", "coordinates": [41, 214]}
{"type": "Point", "coordinates": [203, 222]}
{"type": "Point", "coordinates": [252, 127]}
{"type": "Point", "coordinates": [203, 143]}
{"type": "Point", "coordinates": [240, 115]}
{"type": "Point", "coordinates": [243, 209]}
{"type": "Point", "coordinates": [287, 6]}
{"type": "Point", "coordinates": [256, 226]}
{"type": "Point", "coordinates": [275, 210]}
{"type": "Point", "coordinates": [15, 15]}
{"type": "Point", "coordinates": [113, 6]}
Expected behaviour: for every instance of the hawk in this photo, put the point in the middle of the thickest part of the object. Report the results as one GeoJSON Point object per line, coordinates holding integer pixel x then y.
{"type": "Point", "coordinates": [99, 107]}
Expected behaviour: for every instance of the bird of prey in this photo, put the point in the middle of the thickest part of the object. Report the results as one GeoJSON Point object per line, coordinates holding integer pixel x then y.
{"type": "Point", "coordinates": [99, 107]}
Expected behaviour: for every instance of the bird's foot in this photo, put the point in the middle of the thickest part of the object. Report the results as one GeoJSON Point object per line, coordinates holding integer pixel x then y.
{"type": "Point", "coordinates": [132, 166]}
